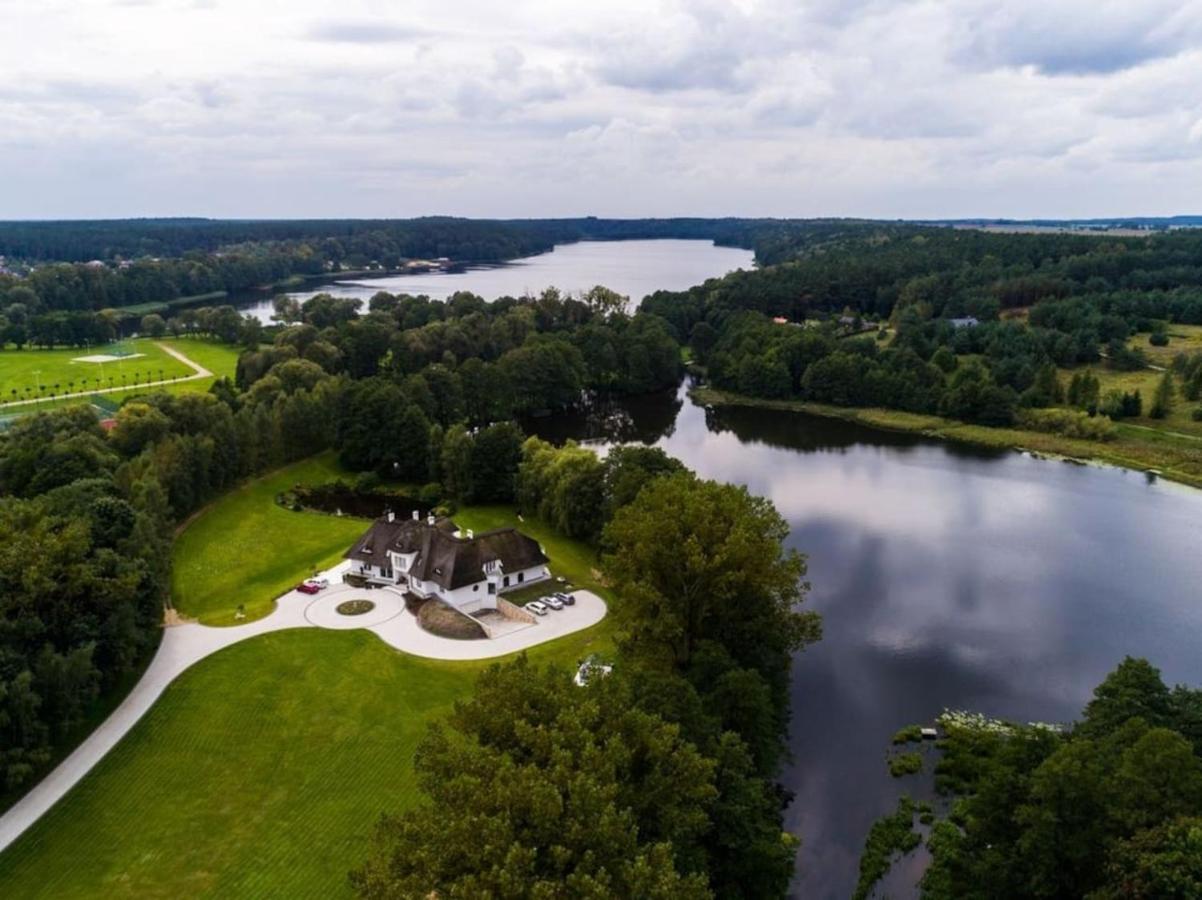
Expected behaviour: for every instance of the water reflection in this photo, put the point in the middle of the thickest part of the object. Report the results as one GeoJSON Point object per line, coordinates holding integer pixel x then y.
{"type": "Point", "coordinates": [947, 577]}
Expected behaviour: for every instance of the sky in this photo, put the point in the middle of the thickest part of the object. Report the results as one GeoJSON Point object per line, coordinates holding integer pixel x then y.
{"type": "Point", "coordinates": [621, 108]}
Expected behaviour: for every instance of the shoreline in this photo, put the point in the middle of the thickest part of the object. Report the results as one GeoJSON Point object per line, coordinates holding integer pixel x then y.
{"type": "Point", "coordinates": [1036, 443]}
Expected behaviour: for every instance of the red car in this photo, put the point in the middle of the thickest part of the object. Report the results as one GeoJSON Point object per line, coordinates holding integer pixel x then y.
{"type": "Point", "coordinates": [306, 588]}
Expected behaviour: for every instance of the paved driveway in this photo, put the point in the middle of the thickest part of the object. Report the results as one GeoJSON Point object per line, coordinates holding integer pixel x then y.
{"type": "Point", "coordinates": [184, 645]}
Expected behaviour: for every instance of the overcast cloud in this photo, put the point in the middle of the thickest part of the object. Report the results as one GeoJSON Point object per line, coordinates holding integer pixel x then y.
{"type": "Point", "coordinates": [877, 108]}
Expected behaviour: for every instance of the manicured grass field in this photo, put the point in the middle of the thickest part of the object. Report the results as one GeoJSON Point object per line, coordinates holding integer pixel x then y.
{"type": "Point", "coordinates": [246, 549]}
{"type": "Point", "coordinates": [220, 359]}
{"type": "Point", "coordinates": [262, 770]}
{"type": "Point", "coordinates": [57, 371]}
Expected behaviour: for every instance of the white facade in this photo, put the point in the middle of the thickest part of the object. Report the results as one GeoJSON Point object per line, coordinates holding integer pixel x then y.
{"type": "Point", "coordinates": [481, 594]}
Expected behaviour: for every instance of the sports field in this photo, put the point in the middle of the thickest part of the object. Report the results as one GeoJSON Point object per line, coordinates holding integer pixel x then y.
{"type": "Point", "coordinates": [17, 368]}
{"type": "Point", "coordinates": [26, 373]}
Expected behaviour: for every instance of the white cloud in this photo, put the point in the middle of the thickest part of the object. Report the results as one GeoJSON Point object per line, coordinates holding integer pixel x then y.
{"type": "Point", "coordinates": [548, 107]}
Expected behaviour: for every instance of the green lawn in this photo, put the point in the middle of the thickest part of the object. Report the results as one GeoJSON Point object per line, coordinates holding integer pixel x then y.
{"type": "Point", "coordinates": [245, 549]}
{"type": "Point", "coordinates": [262, 770]}
{"type": "Point", "coordinates": [21, 369]}
{"type": "Point", "coordinates": [220, 359]}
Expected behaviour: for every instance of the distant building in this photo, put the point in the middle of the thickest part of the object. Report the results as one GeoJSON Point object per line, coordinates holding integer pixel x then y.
{"type": "Point", "coordinates": [965, 322]}
{"type": "Point", "coordinates": [780, 320]}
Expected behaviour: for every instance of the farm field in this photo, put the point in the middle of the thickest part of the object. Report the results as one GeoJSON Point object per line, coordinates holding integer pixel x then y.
{"type": "Point", "coordinates": [263, 769]}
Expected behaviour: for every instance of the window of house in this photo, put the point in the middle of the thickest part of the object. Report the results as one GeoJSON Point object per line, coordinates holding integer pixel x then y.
{"type": "Point", "coordinates": [505, 581]}
{"type": "Point", "coordinates": [475, 587]}
{"type": "Point", "coordinates": [492, 588]}
{"type": "Point", "coordinates": [521, 577]}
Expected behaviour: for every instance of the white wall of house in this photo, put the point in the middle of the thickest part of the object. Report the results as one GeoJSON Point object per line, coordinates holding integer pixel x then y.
{"type": "Point", "coordinates": [472, 596]}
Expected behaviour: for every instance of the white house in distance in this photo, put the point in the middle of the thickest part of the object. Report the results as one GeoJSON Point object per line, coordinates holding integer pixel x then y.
{"type": "Point", "coordinates": [431, 557]}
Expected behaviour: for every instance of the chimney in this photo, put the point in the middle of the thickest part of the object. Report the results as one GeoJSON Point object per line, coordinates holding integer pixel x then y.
{"type": "Point", "coordinates": [415, 516]}
{"type": "Point", "coordinates": [430, 520]}
{"type": "Point", "coordinates": [391, 517]}
{"type": "Point", "coordinates": [471, 534]}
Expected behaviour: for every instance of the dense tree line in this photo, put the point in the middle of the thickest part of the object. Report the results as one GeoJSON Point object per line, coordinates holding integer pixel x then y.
{"type": "Point", "coordinates": [419, 364]}
{"type": "Point", "coordinates": [658, 780]}
{"type": "Point", "coordinates": [1111, 808]}
{"type": "Point", "coordinates": [953, 347]}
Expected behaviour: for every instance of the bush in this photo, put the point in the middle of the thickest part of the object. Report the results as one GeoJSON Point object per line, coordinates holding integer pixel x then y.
{"type": "Point", "coordinates": [366, 482]}
{"type": "Point", "coordinates": [1070, 423]}
{"type": "Point", "coordinates": [905, 764]}
{"type": "Point", "coordinates": [1196, 415]}
{"type": "Point", "coordinates": [909, 735]}
{"type": "Point", "coordinates": [1159, 339]}
{"type": "Point", "coordinates": [430, 494]}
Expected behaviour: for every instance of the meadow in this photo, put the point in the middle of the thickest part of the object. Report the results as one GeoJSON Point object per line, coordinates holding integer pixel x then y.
{"type": "Point", "coordinates": [263, 769]}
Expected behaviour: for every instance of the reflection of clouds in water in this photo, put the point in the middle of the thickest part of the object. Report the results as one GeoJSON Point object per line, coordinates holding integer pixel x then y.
{"type": "Point", "coordinates": [946, 578]}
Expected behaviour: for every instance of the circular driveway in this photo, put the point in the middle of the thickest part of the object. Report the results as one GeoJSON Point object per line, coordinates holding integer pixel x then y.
{"type": "Point", "coordinates": [323, 611]}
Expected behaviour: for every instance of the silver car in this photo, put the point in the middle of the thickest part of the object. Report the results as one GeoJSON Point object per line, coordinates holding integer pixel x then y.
{"type": "Point", "coordinates": [537, 607]}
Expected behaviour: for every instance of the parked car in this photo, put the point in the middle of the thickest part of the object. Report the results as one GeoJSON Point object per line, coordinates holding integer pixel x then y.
{"type": "Point", "coordinates": [306, 587]}
{"type": "Point", "coordinates": [567, 599]}
{"type": "Point", "coordinates": [320, 583]}
{"type": "Point", "coordinates": [554, 602]}
{"type": "Point", "coordinates": [536, 607]}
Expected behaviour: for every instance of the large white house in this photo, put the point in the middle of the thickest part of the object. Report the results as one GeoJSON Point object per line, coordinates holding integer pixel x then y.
{"type": "Point", "coordinates": [431, 557]}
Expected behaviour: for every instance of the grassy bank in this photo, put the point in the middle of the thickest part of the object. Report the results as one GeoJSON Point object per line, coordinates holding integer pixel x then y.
{"type": "Point", "coordinates": [1140, 447]}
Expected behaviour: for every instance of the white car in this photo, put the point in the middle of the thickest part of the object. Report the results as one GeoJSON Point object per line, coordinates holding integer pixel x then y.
{"type": "Point", "coordinates": [320, 583]}
{"type": "Point", "coordinates": [554, 602]}
{"type": "Point", "coordinates": [537, 607]}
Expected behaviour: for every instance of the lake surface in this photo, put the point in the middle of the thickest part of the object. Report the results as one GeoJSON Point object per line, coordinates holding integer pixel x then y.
{"type": "Point", "coordinates": [946, 577]}
{"type": "Point", "coordinates": [632, 268]}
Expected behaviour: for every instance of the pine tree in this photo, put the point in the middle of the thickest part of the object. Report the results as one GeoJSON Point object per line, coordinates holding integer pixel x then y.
{"type": "Point", "coordinates": [1162, 400]}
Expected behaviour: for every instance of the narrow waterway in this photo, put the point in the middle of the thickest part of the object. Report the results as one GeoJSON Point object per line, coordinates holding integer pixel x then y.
{"type": "Point", "coordinates": [947, 577]}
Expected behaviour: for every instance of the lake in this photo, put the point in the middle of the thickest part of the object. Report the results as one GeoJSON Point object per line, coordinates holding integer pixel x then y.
{"type": "Point", "coordinates": [632, 268]}
{"type": "Point", "coordinates": [946, 577]}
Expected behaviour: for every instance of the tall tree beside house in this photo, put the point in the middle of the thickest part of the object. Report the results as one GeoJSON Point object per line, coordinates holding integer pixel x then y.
{"type": "Point", "coordinates": [697, 560]}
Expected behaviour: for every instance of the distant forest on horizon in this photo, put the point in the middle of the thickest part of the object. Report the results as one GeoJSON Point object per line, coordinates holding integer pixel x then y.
{"type": "Point", "coordinates": [461, 239]}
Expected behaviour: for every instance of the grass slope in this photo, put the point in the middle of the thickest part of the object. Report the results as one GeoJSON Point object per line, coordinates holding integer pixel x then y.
{"type": "Point", "coordinates": [245, 549]}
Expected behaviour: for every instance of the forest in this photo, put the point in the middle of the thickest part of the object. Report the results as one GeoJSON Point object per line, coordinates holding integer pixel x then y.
{"type": "Point", "coordinates": [1108, 808]}
{"type": "Point", "coordinates": [965, 324]}
{"type": "Point", "coordinates": [94, 266]}
{"type": "Point", "coordinates": [680, 752]}
{"type": "Point", "coordinates": [412, 389]}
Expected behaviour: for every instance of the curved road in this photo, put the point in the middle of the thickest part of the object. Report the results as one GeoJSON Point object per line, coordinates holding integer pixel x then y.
{"type": "Point", "coordinates": [186, 644]}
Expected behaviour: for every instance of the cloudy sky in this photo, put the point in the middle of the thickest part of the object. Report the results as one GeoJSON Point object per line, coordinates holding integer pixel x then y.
{"type": "Point", "coordinates": [881, 108]}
